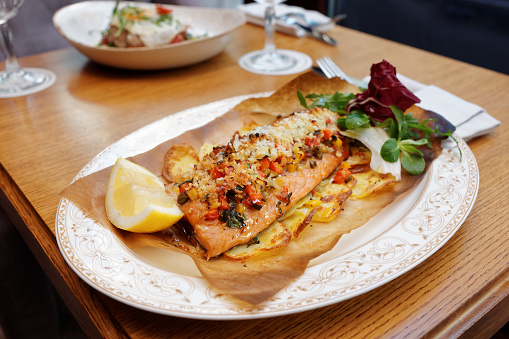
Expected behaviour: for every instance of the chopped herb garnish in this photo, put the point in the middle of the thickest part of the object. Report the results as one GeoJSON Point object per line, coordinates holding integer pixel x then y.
{"type": "Point", "coordinates": [232, 218]}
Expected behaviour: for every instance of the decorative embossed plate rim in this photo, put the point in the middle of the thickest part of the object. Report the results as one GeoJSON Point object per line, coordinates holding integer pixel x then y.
{"type": "Point", "coordinates": [388, 246]}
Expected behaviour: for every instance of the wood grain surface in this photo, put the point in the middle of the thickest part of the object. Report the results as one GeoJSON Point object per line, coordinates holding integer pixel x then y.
{"type": "Point", "coordinates": [46, 138]}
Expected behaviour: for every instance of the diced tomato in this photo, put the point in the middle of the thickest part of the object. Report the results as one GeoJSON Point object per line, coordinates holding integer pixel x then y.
{"type": "Point", "coordinates": [312, 141]}
{"type": "Point", "coordinates": [161, 10]}
{"type": "Point", "coordinates": [212, 214]}
{"type": "Point", "coordinates": [216, 173]}
{"type": "Point", "coordinates": [264, 164]}
{"type": "Point", "coordinates": [184, 187]}
{"type": "Point", "coordinates": [327, 134]}
{"type": "Point", "coordinates": [276, 167]}
{"type": "Point", "coordinates": [255, 197]}
{"type": "Point", "coordinates": [341, 175]}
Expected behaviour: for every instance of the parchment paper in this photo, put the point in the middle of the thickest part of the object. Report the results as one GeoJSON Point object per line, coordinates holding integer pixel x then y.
{"type": "Point", "coordinates": [259, 278]}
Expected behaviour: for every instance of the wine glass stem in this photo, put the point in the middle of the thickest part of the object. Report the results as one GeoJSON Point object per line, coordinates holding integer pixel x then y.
{"type": "Point", "coordinates": [11, 63]}
{"type": "Point", "coordinates": [270, 19]}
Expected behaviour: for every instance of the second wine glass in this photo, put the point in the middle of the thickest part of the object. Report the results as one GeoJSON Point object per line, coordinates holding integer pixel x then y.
{"type": "Point", "coordinates": [272, 61]}
{"type": "Point", "coordinates": [16, 81]}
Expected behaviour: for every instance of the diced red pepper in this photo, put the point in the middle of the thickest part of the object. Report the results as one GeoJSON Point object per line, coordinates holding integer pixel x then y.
{"type": "Point", "coordinates": [264, 164]}
{"type": "Point", "coordinates": [341, 175]}
{"type": "Point", "coordinates": [184, 187]}
{"type": "Point", "coordinates": [276, 167]}
{"type": "Point", "coordinates": [255, 197]}
{"type": "Point", "coordinates": [328, 120]}
{"type": "Point", "coordinates": [216, 173]}
{"type": "Point", "coordinates": [262, 175]}
{"type": "Point", "coordinates": [161, 10]}
{"type": "Point", "coordinates": [212, 214]}
{"type": "Point", "coordinates": [327, 133]}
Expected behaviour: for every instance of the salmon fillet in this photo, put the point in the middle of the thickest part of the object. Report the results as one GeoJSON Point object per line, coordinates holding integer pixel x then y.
{"type": "Point", "coordinates": [240, 188]}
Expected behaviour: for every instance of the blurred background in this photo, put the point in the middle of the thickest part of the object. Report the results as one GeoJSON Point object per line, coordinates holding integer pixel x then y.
{"type": "Point", "coordinates": [474, 31]}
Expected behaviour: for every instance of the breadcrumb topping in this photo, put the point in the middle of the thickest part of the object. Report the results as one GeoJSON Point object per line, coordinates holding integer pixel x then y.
{"type": "Point", "coordinates": [248, 168]}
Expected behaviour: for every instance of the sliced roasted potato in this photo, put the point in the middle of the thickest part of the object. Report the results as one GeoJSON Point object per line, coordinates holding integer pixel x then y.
{"type": "Point", "coordinates": [274, 236]}
{"type": "Point", "coordinates": [205, 149]}
{"type": "Point", "coordinates": [369, 182]}
{"type": "Point", "coordinates": [332, 197]}
{"type": "Point", "coordinates": [359, 155]}
{"type": "Point", "coordinates": [299, 220]}
{"type": "Point", "coordinates": [299, 216]}
{"type": "Point", "coordinates": [177, 160]}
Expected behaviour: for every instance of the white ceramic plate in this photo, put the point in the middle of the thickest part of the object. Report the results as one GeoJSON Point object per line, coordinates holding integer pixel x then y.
{"type": "Point", "coordinates": [82, 25]}
{"type": "Point", "coordinates": [403, 235]}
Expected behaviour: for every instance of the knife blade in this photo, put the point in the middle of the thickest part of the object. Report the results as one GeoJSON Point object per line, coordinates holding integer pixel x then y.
{"type": "Point", "coordinates": [324, 37]}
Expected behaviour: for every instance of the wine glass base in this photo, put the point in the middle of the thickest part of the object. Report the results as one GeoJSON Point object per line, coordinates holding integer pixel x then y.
{"type": "Point", "coordinates": [25, 82]}
{"type": "Point", "coordinates": [282, 62]}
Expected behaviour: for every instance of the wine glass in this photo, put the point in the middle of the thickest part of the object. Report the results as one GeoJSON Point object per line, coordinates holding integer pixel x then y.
{"type": "Point", "coordinates": [272, 61]}
{"type": "Point", "coordinates": [15, 81]}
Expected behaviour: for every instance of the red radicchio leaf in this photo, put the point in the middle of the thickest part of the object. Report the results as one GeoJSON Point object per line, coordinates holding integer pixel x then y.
{"type": "Point", "coordinates": [384, 89]}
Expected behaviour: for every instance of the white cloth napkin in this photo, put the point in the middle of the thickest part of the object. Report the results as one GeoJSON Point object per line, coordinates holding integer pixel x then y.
{"type": "Point", "coordinates": [255, 13]}
{"type": "Point", "coordinates": [470, 119]}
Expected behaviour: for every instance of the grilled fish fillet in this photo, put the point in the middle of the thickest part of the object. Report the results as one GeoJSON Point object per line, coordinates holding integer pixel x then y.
{"type": "Point", "coordinates": [240, 188]}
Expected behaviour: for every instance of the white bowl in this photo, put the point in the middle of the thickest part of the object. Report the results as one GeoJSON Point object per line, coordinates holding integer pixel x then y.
{"type": "Point", "coordinates": [82, 25]}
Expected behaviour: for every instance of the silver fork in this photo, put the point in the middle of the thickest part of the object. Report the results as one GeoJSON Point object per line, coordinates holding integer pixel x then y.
{"type": "Point", "coordinates": [331, 70]}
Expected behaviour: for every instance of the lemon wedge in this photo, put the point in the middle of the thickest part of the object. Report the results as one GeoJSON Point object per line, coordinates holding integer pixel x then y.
{"type": "Point", "coordinates": [136, 200]}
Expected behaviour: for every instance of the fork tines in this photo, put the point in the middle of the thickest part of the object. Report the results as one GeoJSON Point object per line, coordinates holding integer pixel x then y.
{"type": "Point", "coordinates": [331, 70]}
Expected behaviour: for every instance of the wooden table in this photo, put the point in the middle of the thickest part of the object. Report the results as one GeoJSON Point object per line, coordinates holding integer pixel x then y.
{"type": "Point", "coordinates": [46, 138]}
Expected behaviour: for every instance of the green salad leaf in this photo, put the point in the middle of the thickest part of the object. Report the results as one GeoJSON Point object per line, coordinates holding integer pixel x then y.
{"type": "Point", "coordinates": [354, 119]}
{"type": "Point", "coordinates": [404, 141]}
{"type": "Point", "coordinates": [335, 102]}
